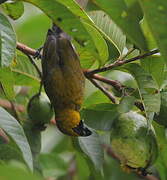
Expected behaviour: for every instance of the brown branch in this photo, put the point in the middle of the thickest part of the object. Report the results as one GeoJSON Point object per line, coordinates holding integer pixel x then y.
{"type": "Point", "coordinates": [25, 49]}
{"type": "Point", "coordinates": [110, 152]}
{"type": "Point", "coordinates": [29, 51]}
{"type": "Point", "coordinates": [35, 66]}
{"type": "Point", "coordinates": [114, 83]}
{"type": "Point", "coordinates": [107, 93]}
{"type": "Point", "coordinates": [4, 137]}
{"type": "Point", "coordinates": [6, 104]}
{"type": "Point", "coordinates": [16, 115]}
{"type": "Point", "coordinates": [122, 62]}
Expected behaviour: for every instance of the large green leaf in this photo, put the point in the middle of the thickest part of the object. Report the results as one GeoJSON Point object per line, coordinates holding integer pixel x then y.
{"type": "Point", "coordinates": [155, 65]}
{"type": "Point", "coordinates": [126, 17]}
{"type": "Point", "coordinates": [11, 126]}
{"type": "Point", "coordinates": [126, 104]}
{"type": "Point", "coordinates": [71, 18]}
{"type": "Point", "coordinates": [13, 9]}
{"type": "Point", "coordinates": [155, 14]}
{"type": "Point", "coordinates": [148, 34]}
{"type": "Point", "coordinates": [100, 116]}
{"type": "Point", "coordinates": [15, 173]}
{"type": "Point", "coordinates": [7, 81]}
{"type": "Point", "coordinates": [96, 98]}
{"type": "Point", "coordinates": [98, 40]}
{"type": "Point", "coordinates": [148, 90]}
{"type": "Point", "coordinates": [83, 168]}
{"type": "Point", "coordinates": [110, 30]}
{"type": "Point", "coordinates": [52, 165]}
{"type": "Point", "coordinates": [161, 163]}
{"type": "Point", "coordinates": [91, 146]}
{"type": "Point", "coordinates": [7, 42]}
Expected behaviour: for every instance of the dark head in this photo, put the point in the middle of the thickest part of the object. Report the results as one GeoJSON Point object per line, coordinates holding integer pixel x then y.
{"type": "Point", "coordinates": [68, 122]}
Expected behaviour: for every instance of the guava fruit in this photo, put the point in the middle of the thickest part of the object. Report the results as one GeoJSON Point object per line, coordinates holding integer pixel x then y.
{"type": "Point", "coordinates": [39, 109]}
{"type": "Point", "coordinates": [161, 117]}
{"type": "Point", "coordinates": [132, 142]}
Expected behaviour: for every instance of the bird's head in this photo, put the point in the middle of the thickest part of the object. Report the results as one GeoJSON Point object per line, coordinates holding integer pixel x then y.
{"type": "Point", "coordinates": [68, 122]}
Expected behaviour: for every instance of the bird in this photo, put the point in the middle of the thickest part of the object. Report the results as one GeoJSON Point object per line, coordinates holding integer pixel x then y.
{"type": "Point", "coordinates": [64, 82]}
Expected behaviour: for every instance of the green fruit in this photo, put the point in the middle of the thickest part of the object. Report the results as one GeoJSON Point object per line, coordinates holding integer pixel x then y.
{"type": "Point", "coordinates": [132, 142]}
{"type": "Point", "coordinates": [39, 109]}
{"type": "Point", "coordinates": [161, 118]}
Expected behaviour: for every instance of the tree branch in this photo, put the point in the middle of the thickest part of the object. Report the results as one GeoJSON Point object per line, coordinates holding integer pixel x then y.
{"type": "Point", "coordinates": [8, 105]}
{"type": "Point", "coordinates": [107, 93]}
{"type": "Point", "coordinates": [122, 62]}
{"type": "Point", "coordinates": [25, 49]}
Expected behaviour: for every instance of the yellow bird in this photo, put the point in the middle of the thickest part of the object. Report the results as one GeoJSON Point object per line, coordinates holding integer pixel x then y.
{"type": "Point", "coordinates": [64, 82]}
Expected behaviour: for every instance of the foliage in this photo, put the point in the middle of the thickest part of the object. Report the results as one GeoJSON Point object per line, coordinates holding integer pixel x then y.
{"type": "Point", "coordinates": [123, 40]}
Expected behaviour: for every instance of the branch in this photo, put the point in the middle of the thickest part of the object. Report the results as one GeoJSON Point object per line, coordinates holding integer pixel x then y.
{"type": "Point", "coordinates": [25, 49]}
{"type": "Point", "coordinates": [6, 104]}
{"type": "Point", "coordinates": [29, 51]}
{"type": "Point", "coordinates": [122, 62]}
{"type": "Point", "coordinates": [107, 93]}
{"type": "Point", "coordinates": [114, 83]}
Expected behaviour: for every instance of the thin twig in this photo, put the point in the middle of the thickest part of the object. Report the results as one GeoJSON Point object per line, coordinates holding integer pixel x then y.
{"type": "Point", "coordinates": [120, 63]}
{"type": "Point", "coordinates": [25, 49]}
{"type": "Point", "coordinates": [35, 66]}
{"type": "Point", "coordinates": [29, 52]}
{"type": "Point", "coordinates": [107, 93]}
{"type": "Point", "coordinates": [7, 104]}
{"type": "Point", "coordinates": [125, 55]}
{"type": "Point", "coordinates": [114, 83]}
{"type": "Point", "coordinates": [4, 137]}
{"type": "Point", "coordinates": [15, 111]}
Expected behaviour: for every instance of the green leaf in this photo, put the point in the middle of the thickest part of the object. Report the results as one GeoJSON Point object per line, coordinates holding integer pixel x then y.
{"type": "Point", "coordinates": [155, 14]}
{"type": "Point", "coordinates": [99, 42]}
{"type": "Point", "coordinates": [161, 163]}
{"type": "Point", "coordinates": [7, 81]}
{"type": "Point", "coordinates": [126, 104]}
{"type": "Point", "coordinates": [100, 116]}
{"type": "Point", "coordinates": [82, 166]}
{"type": "Point", "coordinates": [9, 172]}
{"type": "Point", "coordinates": [35, 143]}
{"type": "Point", "coordinates": [96, 98]}
{"type": "Point", "coordinates": [52, 165]}
{"type": "Point", "coordinates": [92, 147]}
{"type": "Point", "coordinates": [11, 126]}
{"type": "Point", "coordinates": [109, 29]}
{"type": "Point", "coordinates": [155, 65]}
{"type": "Point", "coordinates": [127, 18]}
{"type": "Point", "coordinates": [147, 90]}
{"type": "Point", "coordinates": [7, 42]}
{"type": "Point", "coordinates": [9, 152]}
{"type": "Point", "coordinates": [13, 9]}
{"type": "Point", "coordinates": [71, 18]}
{"type": "Point", "coordinates": [148, 34]}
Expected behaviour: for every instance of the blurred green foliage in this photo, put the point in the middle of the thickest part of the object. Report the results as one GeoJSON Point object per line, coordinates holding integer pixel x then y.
{"type": "Point", "coordinates": [102, 33]}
